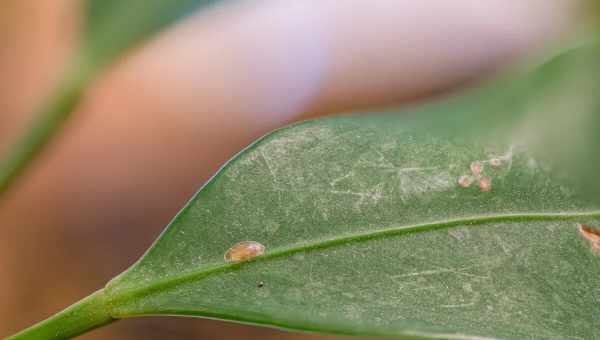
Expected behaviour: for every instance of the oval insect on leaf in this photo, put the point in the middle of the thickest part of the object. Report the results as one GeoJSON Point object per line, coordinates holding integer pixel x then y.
{"type": "Point", "coordinates": [244, 251]}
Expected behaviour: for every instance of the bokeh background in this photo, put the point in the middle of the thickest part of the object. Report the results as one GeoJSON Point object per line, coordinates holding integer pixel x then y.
{"type": "Point", "coordinates": [161, 121]}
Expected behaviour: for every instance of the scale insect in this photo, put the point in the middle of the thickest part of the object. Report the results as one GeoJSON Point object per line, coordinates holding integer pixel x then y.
{"type": "Point", "coordinates": [244, 251]}
{"type": "Point", "coordinates": [465, 181]}
{"type": "Point", "coordinates": [485, 184]}
{"type": "Point", "coordinates": [592, 235]}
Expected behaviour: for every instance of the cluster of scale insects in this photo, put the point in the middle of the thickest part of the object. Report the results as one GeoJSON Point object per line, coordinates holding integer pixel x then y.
{"type": "Point", "coordinates": [485, 182]}
{"type": "Point", "coordinates": [248, 250]}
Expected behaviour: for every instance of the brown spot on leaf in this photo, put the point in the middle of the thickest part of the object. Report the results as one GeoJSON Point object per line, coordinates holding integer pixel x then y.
{"type": "Point", "coordinates": [244, 251]}
{"type": "Point", "coordinates": [465, 181]}
{"type": "Point", "coordinates": [476, 168]}
{"type": "Point", "coordinates": [592, 235]}
{"type": "Point", "coordinates": [485, 184]}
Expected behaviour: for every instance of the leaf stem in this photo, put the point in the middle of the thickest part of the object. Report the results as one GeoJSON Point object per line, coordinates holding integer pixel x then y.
{"type": "Point", "coordinates": [45, 125]}
{"type": "Point", "coordinates": [83, 316]}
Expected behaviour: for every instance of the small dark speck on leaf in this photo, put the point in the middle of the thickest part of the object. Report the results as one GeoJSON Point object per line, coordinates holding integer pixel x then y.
{"type": "Point", "coordinates": [260, 284]}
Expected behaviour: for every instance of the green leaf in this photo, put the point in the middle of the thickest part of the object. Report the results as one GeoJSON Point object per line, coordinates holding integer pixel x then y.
{"type": "Point", "coordinates": [114, 26]}
{"type": "Point", "coordinates": [367, 231]}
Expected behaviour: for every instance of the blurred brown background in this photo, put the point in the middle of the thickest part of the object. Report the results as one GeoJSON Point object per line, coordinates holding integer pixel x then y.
{"type": "Point", "coordinates": [159, 123]}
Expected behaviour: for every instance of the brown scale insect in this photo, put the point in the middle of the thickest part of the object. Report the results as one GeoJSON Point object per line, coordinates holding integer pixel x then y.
{"type": "Point", "coordinates": [476, 168]}
{"type": "Point", "coordinates": [592, 236]}
{"type": "Point", "coordinates": [244, 251]}
{"type": "Point", "coordinates": [465, 181]}
{"type": "Point", "coordinates": [485, 184]}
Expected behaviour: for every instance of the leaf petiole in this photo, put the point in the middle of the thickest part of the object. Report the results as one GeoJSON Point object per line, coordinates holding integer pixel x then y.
{"type": "Point", "coordinates": [85, 315]}
{"type": "Point", "coordinates": [45, 125]}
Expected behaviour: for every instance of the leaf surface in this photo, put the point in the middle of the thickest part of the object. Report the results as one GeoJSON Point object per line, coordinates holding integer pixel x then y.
{"type": "Point", "coordinates": [367, 231]}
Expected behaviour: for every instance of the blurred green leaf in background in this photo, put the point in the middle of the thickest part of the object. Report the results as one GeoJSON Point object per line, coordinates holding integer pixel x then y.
{"type": "Point", "coordinates": [113, 28]}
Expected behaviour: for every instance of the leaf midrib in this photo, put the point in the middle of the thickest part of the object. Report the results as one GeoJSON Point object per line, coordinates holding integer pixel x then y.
{"type": "Point", "coordinates": [132, 293]}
